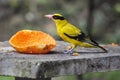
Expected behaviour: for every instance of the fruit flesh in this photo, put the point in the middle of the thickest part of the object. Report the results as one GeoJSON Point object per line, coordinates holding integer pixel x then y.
{"type": "Point", "coordinates": [31, 41]}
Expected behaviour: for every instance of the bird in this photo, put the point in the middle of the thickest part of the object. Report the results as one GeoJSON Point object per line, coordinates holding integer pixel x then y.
{"type": "Point", "coordinates": [72, 34]}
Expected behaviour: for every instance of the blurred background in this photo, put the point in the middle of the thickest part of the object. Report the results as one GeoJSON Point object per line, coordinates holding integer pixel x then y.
{"type": "Point", "coordinates": [16, 15]}
{"type": "Point", "coordinates": [29, 14]}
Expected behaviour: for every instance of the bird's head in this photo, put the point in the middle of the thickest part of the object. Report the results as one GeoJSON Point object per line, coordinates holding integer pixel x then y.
{"type": "Point", "coordinates": [55, 16]}
{"type": "Point", "coordinates": [58, 19]}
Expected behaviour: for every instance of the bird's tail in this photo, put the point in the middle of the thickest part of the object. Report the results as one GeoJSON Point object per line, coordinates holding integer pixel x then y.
{"type": "Point", "coordinates": [102, 48]}
{"type": "Point", "coordinates": [97, 45]}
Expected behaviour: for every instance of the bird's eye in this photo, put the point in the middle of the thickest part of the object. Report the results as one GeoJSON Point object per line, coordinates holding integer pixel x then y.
{"type": "Point", "coordinates": [58, 17]}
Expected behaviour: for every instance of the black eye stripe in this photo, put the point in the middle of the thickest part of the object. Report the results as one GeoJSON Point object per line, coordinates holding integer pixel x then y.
{"type": "Point", "coordinates": [58, 17]}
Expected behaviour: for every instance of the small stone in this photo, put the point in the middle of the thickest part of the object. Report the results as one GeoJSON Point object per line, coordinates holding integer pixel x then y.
{"type": "Point", "coordinates": [113, 44]}
{"type": "Point", "coordinates": [75, 54]}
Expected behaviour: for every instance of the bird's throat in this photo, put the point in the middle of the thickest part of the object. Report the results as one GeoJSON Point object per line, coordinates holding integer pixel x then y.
{"type": "Point", "coordinates": [60, 23]}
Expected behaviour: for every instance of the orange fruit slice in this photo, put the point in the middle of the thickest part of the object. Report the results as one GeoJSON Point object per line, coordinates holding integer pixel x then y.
{"type": "Point", "coordinates": [32, 41]}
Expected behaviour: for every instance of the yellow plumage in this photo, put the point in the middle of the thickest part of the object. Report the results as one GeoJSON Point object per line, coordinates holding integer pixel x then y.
{"type": "Point", "coordinates": [72, 34]}
{"type": "Point", "coordinates": [72, 31]}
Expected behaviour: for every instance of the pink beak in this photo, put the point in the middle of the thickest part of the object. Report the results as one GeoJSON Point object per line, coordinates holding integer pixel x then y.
{"type": "Point", "coordinates": [50, 16]}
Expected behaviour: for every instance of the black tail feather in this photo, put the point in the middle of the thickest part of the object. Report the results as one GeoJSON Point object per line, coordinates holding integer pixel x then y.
{"type": "Point", "coordinates": [102, 48]}
{"type": "Point", "coordinates": [97, 45]}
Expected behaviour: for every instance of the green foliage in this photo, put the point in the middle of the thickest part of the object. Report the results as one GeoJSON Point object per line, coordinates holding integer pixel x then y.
{"type": "Point", "coordinates": [114, 75]}
{"type": "Point", "coordinates": [42, 1]}
{"type": "Point", "coordinates": [117, 7]}
{"type": "Point", "coordinates": [113, 37]}
{"type": "Point", "coordinates": [6, 78]}
{"type": "Point", "coordinates": [13, 3]}
{"type": "Point", "coordinates": [65, 78]}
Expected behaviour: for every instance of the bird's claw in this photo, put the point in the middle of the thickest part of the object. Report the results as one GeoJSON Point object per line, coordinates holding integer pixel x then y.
{"type": "Point", "coordinates": [68, 52]}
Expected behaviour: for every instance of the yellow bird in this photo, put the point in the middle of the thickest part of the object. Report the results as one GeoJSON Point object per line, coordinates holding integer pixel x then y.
{"type": "Point", "coordinates": [72, 34]}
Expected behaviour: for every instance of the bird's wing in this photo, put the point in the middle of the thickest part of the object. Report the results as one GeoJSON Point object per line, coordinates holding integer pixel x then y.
{"type": "Point", "coordinates": [73, 32]}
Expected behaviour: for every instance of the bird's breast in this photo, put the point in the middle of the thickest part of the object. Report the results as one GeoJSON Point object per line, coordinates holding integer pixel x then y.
{"type": "Point", "coordinates": [61, 34]}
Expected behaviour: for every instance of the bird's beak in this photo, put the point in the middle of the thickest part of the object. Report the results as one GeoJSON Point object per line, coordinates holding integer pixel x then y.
{"type": "Point", "coordinates": [50, 16]}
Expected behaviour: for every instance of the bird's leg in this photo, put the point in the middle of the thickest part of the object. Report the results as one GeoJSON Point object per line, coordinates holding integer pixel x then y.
{"type": "Point", "coordinates": [68, 47]}
{"type": "Point", "coordinates": [70, 50]}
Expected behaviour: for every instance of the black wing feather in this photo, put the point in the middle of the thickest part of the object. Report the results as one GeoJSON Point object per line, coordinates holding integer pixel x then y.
{"type": "Point", "coordinates": [84, 38]}
{"type": "Point", "coordinates": [80, 37]}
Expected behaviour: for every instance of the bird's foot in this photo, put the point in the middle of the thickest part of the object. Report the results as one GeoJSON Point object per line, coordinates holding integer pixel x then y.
{"type": "Point", "coordinates": [68, 51]}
